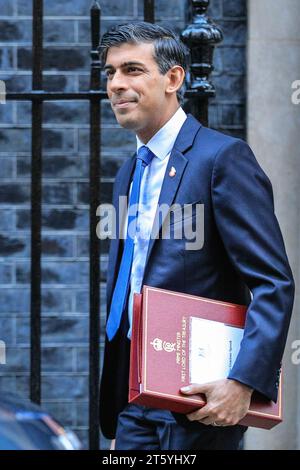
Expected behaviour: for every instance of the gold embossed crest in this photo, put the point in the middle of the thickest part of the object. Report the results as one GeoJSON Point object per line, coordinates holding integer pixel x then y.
{"type": "Point", "coordinates": [160, 345]}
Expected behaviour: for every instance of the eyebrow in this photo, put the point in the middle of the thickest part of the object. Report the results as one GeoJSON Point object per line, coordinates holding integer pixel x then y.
{"type": "Point", "coordinates": [125, 64]}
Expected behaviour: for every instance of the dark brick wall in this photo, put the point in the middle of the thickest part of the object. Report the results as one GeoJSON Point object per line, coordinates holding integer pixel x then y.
{"type": "Point", "coordinates": [65, 182]}
{"type": "Point", "coordinates": [227, 109]}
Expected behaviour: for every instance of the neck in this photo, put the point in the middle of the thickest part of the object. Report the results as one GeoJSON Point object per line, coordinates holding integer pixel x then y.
{"type": "Point", "coordinates": [146, 134]}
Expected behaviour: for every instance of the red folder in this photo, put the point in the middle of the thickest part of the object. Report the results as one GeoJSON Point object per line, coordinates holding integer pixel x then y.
{"type": "Point", "coordinates": [159, 364]}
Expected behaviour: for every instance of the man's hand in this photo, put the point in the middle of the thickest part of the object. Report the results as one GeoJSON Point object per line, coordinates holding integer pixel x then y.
{"type": "Point", "coordinates": [227, 402]}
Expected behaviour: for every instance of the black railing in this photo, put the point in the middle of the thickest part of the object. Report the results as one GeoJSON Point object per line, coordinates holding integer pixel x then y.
{"type": "Point", "coordinates": [36, 196]}
{"type": "Point", "coordinates": [200, 36]}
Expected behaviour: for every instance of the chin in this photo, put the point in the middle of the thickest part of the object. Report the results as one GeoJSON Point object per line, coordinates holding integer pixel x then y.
{"type": "Point", "coordinates": [127, 122]}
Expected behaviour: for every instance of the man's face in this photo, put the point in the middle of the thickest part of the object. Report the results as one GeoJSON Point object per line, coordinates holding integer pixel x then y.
{"type": "Point", "coordinates": [136, 88]}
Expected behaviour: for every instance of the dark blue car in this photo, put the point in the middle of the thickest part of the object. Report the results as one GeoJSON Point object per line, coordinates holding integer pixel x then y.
{"type": "Point", "coordinates": [25, 426]}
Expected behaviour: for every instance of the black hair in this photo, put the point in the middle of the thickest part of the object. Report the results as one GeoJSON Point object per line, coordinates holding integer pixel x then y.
{"type": "Point", "coordinates": [169, 50]}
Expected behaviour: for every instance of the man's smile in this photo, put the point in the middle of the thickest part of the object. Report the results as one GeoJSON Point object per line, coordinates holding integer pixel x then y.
{"type": "Point", "coordinates": [123, 104]}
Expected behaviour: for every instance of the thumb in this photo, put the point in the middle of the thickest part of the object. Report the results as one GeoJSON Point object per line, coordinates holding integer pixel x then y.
{"type": "Point", "coordinates": [195, 388]}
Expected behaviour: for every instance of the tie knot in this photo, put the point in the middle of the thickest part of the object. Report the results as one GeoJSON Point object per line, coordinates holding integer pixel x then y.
{"type": "Point", "coordinates": [145, 154]}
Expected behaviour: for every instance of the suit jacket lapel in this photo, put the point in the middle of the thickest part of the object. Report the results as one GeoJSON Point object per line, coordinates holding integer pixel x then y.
{"type": "Point", "coordinates": [170, 184]}
{"type": "Point", "coordinates": [168, 192]}
{"type": "Point", "coordinates": [122, 190]}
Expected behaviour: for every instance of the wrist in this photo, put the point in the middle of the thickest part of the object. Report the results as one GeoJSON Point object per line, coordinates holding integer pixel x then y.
{"type": "Point", "coordinates": [243, 386]}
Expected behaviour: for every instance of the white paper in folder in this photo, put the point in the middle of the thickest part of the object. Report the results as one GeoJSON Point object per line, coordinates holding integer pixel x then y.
{"type": "Point", "coordinates": [213, 348]}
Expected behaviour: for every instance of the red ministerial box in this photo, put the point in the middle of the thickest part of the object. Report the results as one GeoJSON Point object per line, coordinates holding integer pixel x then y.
{"type": "Point", "coordinates": [159, 362]}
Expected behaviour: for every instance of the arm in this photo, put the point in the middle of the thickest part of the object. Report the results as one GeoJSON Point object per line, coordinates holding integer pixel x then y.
{"type": "Point", "coordinates": [244, 215]}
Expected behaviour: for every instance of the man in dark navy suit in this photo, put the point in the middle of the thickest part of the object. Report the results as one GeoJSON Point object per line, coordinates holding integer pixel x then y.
{"type": "Point", "coordinates": [242, 259]}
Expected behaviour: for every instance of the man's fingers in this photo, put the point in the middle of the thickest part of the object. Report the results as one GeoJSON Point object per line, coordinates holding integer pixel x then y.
{"type": "Point", "coordinates": [207, 417]}
{"type": "Point", "coordinates": [195, 388]}
{"type": "Point", "coordinates": [199, 414]}
{"type": "Point", "coordinates": [207, 421]}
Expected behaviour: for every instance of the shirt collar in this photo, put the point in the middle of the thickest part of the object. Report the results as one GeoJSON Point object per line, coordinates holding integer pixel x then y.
{"type": "Point", "coordinates": [163, 141]}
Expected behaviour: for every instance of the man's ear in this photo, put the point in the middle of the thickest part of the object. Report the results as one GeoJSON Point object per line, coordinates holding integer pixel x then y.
{"type": "Point", "coordinates": [175, 77]}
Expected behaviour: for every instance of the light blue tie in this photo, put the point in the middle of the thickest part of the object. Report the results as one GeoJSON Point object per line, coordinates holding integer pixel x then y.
{"type": "Point", "coordinates": [120, 294]}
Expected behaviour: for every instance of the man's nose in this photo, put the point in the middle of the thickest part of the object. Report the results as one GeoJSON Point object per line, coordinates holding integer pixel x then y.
{"type": "Point", "coordinates": [117, 82]}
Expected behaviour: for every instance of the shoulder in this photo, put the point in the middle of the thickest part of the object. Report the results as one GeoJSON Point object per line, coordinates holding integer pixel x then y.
{"type": "Point", "coordinates": [214, 142]}
{"type": "Point", "coordinates": [224, 154]}
{"type": "Point", "coordinates": [218, 147]}
{"type": "Point", "coordinates": [211, 147]}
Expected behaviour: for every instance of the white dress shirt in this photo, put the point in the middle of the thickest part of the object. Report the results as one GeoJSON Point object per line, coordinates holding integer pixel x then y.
{"type": "Point", "coordinates": [161, 145]}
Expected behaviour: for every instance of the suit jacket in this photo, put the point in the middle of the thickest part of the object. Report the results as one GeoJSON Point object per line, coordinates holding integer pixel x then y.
{"type": "Point", "coordinates": [243, 252]}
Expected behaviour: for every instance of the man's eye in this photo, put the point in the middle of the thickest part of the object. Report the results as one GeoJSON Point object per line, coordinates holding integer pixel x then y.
{"type": "Point", "coordinates": [133, 69]}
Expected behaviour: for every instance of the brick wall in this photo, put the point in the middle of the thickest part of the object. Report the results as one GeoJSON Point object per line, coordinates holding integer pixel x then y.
{"type": "Point", "coordinates": [227, 109]}
{"type": "Point", "coordinates": [65, 182]}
